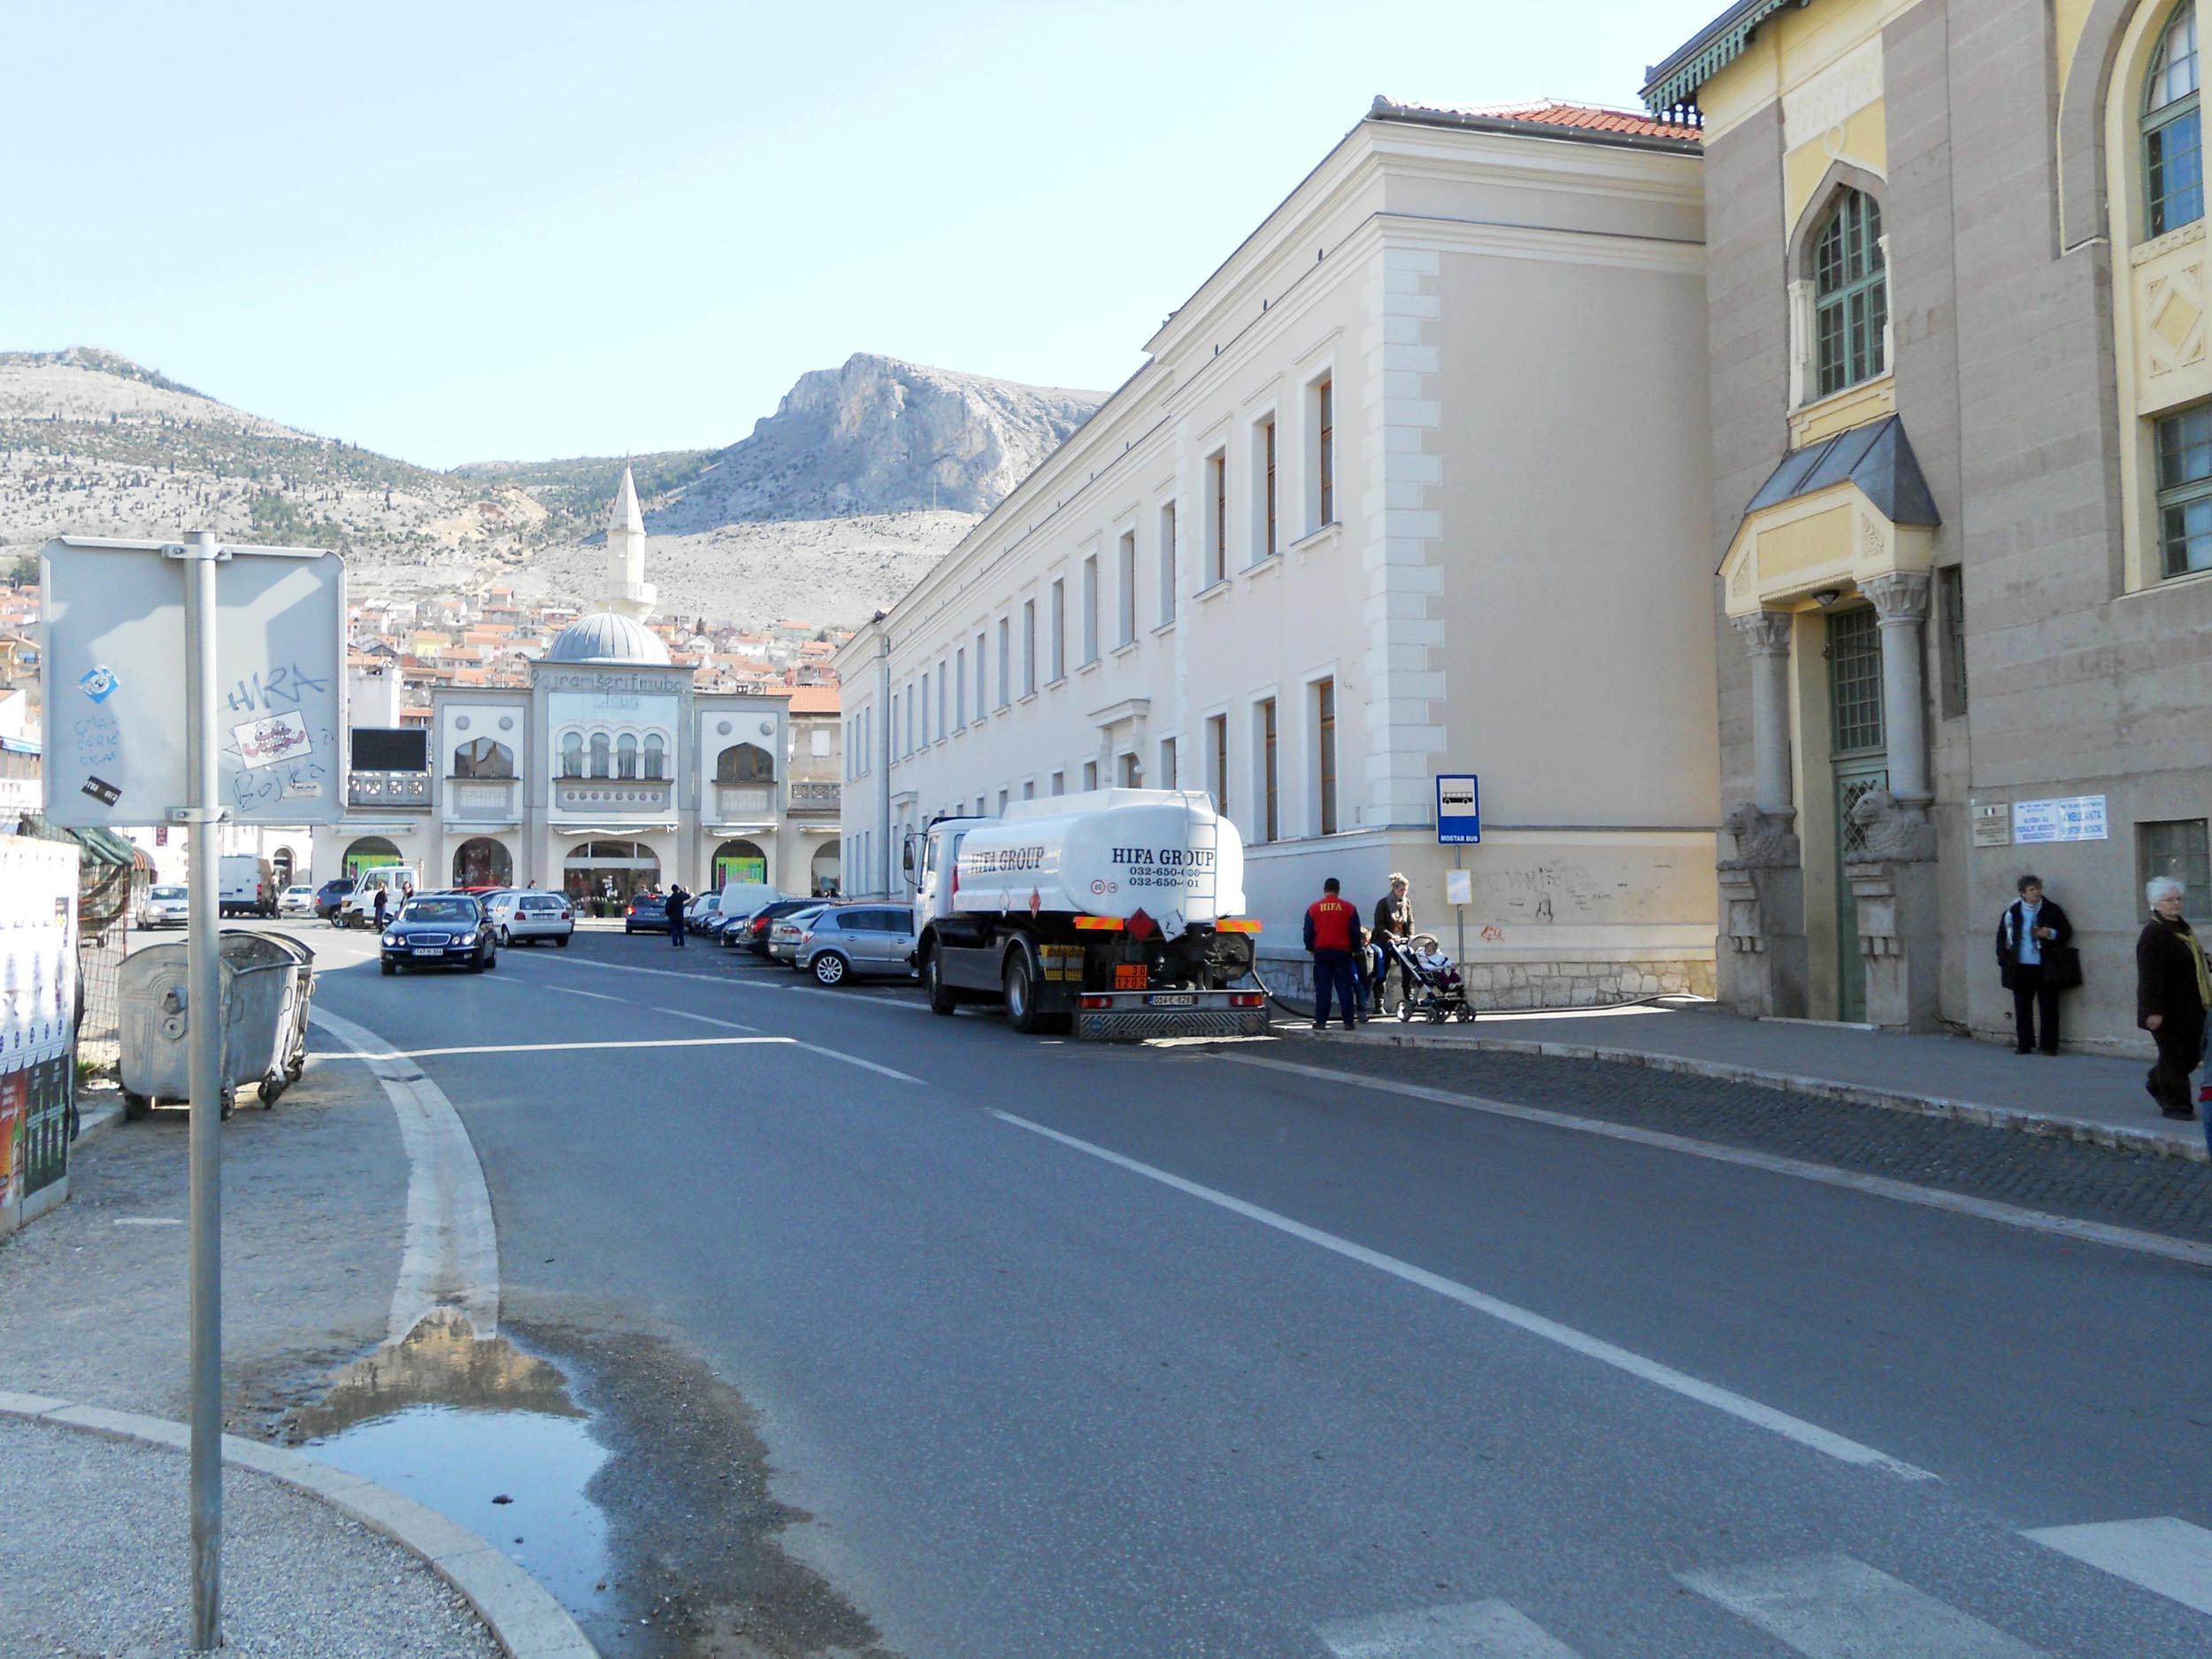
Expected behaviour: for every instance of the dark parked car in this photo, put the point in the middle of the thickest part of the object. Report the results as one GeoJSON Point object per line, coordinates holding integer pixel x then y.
{"type": "Point", "coordinates": [647, 911]}
{"type": "Point", "coordinates": [752, 933]}
{"type": "Point", "coordinates": [440, 930]}
{"type": "Point", "coordinates": [331, 895]}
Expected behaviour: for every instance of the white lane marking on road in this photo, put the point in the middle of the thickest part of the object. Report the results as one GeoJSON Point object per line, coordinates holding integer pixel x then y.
{"type": "Point", "coordinates": [854, 1059]}
{"type": "Point", "coordinates": [2167, 1556]}
{"type": "Point", "coordinates": [570, 1048]}
{"type": "Point", "coordinates": [1470, 1629]}
{"type": "Point", "coordinates": [1832, 1607]}
{"type": "Point", "coordinates": [704, 1020]}
{"type": "Point", "coordinates": [452, 1251]}
{"type": "Point", "coordinates": [2188, 1251]}
{"type": "Point", "coordinates": [597, 997]}
{"type": "Point", "coordinates": [148, 1221]}
{"type": "Point", "coordinates": [740, 983]}
{"type": "Point", "coordinates": [1807, 1435]}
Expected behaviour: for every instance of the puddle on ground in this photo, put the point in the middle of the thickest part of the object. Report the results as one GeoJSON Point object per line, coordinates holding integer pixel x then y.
{"type": "Point", "coordinates": [481, 1432]}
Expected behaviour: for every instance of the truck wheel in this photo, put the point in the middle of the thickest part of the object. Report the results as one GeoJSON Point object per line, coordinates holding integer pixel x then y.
{"type": "Point", "coordinates": [135, 1106]}
{"type": "Point", "coordinates": [933, 983]}
{"type": "Point", "coordinates": [1021, 994]}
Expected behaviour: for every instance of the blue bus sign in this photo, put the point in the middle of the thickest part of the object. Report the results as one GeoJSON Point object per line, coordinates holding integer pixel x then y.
{"type": "Point", "coordinates": [1458, 810]}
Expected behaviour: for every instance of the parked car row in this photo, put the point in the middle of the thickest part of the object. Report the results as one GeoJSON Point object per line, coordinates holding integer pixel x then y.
{"type": "Point", "coordinates": [830, 940]}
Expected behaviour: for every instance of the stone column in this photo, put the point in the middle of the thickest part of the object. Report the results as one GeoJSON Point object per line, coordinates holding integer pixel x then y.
{"type": "Point", "coordinates": [1761, 950]}
{"type": "Point", "coordinates": [1766, 636]}
{"type": "Point", "coordinates": [1901, 605]}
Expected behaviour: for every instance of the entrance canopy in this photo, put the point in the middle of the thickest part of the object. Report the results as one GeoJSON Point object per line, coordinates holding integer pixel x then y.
{"type": "Point", "coordinates": [1834, 514]}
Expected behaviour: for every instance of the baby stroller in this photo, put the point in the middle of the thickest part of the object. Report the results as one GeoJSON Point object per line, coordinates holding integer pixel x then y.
{"type": "Point", "coordinates": [1433, 991]}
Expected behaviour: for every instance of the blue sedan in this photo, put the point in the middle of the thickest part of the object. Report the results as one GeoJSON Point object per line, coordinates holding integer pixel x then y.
{"type": "Point", "coordinates": [440, 930]}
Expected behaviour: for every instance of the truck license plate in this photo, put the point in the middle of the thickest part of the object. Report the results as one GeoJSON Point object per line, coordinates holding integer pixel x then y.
{"type": "Point", "coordinates": [1171, 999]}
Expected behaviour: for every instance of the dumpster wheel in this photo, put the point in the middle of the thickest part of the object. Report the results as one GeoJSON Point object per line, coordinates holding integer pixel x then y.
{"type": "Point", "coordinates": [269, 1088]}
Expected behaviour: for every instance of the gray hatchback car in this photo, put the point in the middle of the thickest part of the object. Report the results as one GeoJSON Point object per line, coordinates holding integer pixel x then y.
{"type": "Point", "coordinates": [858, 941]}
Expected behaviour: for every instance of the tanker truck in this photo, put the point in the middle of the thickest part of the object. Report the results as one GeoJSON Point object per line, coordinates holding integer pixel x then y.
{"type": "Point", "coordinates": [1114, 912]}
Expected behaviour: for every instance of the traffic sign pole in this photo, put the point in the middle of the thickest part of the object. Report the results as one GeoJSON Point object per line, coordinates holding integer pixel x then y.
{"type": "Point", "coordinates": [204, 1057]}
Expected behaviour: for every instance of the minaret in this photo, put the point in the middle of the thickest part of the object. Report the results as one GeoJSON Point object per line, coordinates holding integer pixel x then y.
{"type": "Point", "coordinates": [627, 592]}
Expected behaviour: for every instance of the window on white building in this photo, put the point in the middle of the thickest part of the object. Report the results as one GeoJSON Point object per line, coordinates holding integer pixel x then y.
{"type": "Point", "coordinates": [1029, 646]}
{"type": "Point", "coordinates": [1321, 453]}
{"type": "Point", "coordinates": [1325, 755]}
{"type": "Point", "coordinates": [1131, 770]}
{"type": "Point", "coordinates": [944, 699]}
{"type": "Point", "coordinates": [925, 708]}
{"type": "Point", "coordinates": [1167, 764]}
{"type": "Point", "coordinates": [1090, 610]}
{"type": "Point", "coordinates": [1264, 540]}
{"type": "Point", "coordinates": [601, 749]}
{"type": "Point", "coordinates": [1090, 774]}
{"type": "Point", "coordinates": [818, 742]}
{"type": "Point", "coordinates": [1003, 797]}
{"type": "Point", "coordinates": [1218, 761]}
{"type": "Point", "coordinates": [572, 754]}
{"type": "Point", "coordinates": [1060, 629]}
{"type": "Point", "coordinates": [1265, 778]}
{"type": "Point", "coordinates": [1029, 789]}
{"type": "Point", "coordinates": [655, 761]}
{"type": "Point", "coordinates": [960, 688]}
{"type": "Point", "coordinates": [1005, 662]}
{"type": "Point", "coordinates": [1126, 585]}
{"type": "Point", "coordinates": [1167, 562]}
{"type": "Point", "coordinates": [1059, 783]}
{"type": "Point", "coordinates": [1217, 517]}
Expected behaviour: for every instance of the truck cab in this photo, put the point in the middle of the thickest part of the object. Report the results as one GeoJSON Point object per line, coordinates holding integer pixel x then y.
{"type": "Point", "coordinates": [1099, 912]}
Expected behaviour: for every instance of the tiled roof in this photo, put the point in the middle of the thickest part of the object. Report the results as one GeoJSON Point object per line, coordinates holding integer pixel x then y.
{"type": "Point", "coordinates": [1566, 117]}
{"type": "Point", "coordinates": [815, 700]}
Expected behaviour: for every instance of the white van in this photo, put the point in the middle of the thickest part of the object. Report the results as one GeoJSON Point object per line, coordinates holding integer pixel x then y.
{"type": "Point", "coordinates": [358, 908]}
{"type": "Point", "coordinates": [733, 903]}
{"type": "Point", "coordinates": [246, 886]}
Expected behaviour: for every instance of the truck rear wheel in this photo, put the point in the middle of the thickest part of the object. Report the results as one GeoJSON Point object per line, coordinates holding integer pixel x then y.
{"type": "Point", "coordinates": [1021, 994]}
{"type": "Point", "coordinates": [940, 1000]}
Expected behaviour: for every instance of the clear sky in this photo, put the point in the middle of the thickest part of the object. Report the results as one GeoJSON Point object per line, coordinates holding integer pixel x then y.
{"type": "Point", "coordinates": [476, 231]}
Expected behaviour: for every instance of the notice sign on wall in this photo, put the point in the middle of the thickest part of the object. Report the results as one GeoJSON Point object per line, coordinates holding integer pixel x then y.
{"type": "Point", "coordinates": [1993, 825]}
{"type": "Point", "coordinates": [2079, 817]}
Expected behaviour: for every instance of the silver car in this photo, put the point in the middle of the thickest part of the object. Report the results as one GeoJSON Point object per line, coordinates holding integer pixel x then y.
{"type": "Point", "coordinates": [857, 941]}
{"type": "Point", "coordinates": [164, 906]}
{"type": "Point", "coordinates": [783, 935]}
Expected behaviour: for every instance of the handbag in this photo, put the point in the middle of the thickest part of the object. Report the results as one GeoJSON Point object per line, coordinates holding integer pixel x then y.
{"type": "Point", "coordinates": [2062, 967]}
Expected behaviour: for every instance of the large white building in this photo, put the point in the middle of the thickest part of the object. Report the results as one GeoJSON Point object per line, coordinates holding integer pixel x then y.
{"type": "Point", "coordinates": [1411, 485]}
{"type": "Point", "coordinates": [608, 773]}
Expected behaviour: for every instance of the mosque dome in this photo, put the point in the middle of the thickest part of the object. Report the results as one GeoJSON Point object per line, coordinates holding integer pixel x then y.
{"type": "Point", "coordinates": [605, 637]}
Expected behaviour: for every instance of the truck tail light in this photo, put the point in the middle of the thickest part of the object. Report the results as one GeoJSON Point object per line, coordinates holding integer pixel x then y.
{"type": "Point", "coordinates": [1248, 999]}
{"type": "Point", "coordinates": [1097, 1001]}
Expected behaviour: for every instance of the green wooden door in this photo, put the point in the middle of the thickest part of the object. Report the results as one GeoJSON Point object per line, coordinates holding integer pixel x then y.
{"type": "Point", "coordinates": [1860, 759]}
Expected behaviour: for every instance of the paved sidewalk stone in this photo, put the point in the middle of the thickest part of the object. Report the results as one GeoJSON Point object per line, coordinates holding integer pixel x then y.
{"type": "Point", "coordinates": [300, 1581]}
{"type": "Point", "coordinates": [2082, 1095]}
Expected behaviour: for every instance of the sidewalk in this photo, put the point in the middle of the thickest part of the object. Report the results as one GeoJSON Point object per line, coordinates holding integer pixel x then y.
{"type": "Point", "coordinates": [2077, 1096]}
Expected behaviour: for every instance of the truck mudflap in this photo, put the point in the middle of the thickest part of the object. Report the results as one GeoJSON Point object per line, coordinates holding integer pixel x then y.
{"type": "Point", "coordinates": [1132, 1016]}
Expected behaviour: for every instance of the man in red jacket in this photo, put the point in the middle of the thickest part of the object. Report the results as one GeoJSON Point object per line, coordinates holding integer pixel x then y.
{"type": "Point", "coordinates": [1333, 935]}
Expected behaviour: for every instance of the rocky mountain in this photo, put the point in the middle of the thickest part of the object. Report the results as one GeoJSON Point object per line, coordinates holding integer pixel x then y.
{"type": "Point", "coordinates": [836, 503]}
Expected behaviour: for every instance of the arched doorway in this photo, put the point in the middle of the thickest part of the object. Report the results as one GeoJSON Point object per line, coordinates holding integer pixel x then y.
{"type": "Point", "coordinates": [609, 869]}
{"type": "Point", "coordinates": [482, 862]}
{"type": "Point", "coordinates": [740, 862]}
{"type": "Point", "coordinates": [280, 862]}
{"type": "Point", "coordinates": [367, 853]}
{"type": "Point", "coordinates": [828, 873]}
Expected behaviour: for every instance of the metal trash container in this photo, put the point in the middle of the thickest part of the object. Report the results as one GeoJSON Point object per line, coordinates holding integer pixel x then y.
{"type": "Point", "coordinates": [247, 951]}
{"type": "Point", "coordinates": [259, 975]}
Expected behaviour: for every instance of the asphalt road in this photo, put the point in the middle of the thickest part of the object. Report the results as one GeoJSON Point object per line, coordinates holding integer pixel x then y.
{"type": "Point", "coordinates": [1073, 1351]}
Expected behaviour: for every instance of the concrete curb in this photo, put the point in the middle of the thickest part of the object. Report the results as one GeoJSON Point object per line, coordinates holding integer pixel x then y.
{"type": "Point", "coordinates": [2120, 1136]}
{"type": "Point", "coordinates": [98, 1120]}
{"type": "Point", "coordinates": [521, 1615]}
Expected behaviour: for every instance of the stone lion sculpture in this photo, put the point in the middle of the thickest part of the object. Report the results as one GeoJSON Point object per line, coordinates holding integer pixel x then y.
{"type": "Point", "coordinates": [1891, 831]}
{"type": "Point", "coordinates": [1764, 841]}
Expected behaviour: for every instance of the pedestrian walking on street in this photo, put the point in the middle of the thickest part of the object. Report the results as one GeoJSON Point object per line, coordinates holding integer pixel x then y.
{"type": "Point", "coordinates": [2173, 989]}
{"type": "Point", "coordinates": [1333, 935]}
{"type": "Point", "coordinates": [2035, 962]}
{"type": "Point", "coordinates": [676, 899]}
{"type": "Point", "coordinates": [383, 903]}
{"type": "Point", "coordinates": [1393, 919]}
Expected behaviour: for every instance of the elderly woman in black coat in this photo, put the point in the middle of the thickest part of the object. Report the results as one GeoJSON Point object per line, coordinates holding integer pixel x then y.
{"type": "Point", "coordinates": [2173, 989]}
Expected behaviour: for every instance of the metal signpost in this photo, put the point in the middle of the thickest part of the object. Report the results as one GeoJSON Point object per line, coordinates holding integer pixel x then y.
{"type": "Point", "coordinates": [126, 625]}
{"type": "Point", "coordinates": [1459, 823]}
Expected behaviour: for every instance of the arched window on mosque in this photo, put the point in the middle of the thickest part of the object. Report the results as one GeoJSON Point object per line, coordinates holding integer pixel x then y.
{"type": "Point", "coordinates": [600, 748]}
{"type": "Point", "coordinates": [2173, 140]}
{"type": "Point", "coordinates": [626, 756]}
{"type": "Point", "coordinates": [1850, 293]}
{"type": "Point", "coordinates": [572, 754]}
{"type": "Point", "coordinates": [655, 756]}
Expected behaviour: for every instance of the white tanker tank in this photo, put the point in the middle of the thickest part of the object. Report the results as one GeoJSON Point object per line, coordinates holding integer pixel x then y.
{"type": "Point", "coordinates": [1105, 853]}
